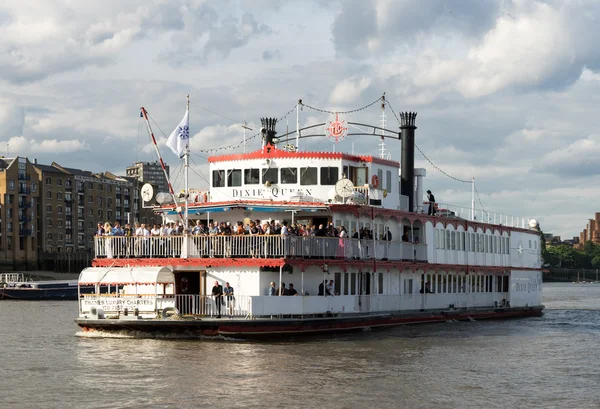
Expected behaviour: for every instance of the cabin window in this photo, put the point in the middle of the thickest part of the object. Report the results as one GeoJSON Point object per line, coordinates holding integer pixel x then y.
{"type": "Point", "coordinates": [234, 178]}
{"type": "Point", "coordinates": [270, 175]}
{"type": "Point", "coordinates": [388, 181]}
{"type": "Point", "coordinates": [251, 176]}
{"type": "Point", "coordinates": [353, 283]}
{"type": "Point", "coordinates": [218, 177]}
{"type": "Point", "coordinates": [380, 283]}
{"type": "Point", "coordinates": [289, 175]}
{"type": "Point", "coordinates": [408, 286]}
{"type": "Point", "coordinates": [329, 175]}
{"type": "Point", "coordinates": [337, 283]}
{"type": "Point", "coordinates": [345, 283]}
{"type": "Point", "coordinates": [308, 176]}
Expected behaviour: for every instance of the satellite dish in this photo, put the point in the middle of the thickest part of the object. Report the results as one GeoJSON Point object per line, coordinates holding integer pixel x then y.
{"type": "Point", "coordinates": [163, 197]}
{"type": "Point", "coordinates": [147, 192]}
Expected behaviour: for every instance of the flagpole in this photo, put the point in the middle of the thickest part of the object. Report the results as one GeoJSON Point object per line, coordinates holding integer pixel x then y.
{"type": "Point", "coordinates": [186, 171]}
{"type": "Point", "coordinates": [162, 163]}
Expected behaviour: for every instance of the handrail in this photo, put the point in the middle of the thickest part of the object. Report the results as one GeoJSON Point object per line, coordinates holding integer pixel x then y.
{"type": "Point", "coordinates": [256, 246]}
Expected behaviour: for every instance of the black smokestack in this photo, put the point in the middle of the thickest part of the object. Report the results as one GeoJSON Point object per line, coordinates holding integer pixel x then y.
{"type": "Point", "coordinates": [268, 130]}
{"type": "Point", "coordinates": [407, 134]}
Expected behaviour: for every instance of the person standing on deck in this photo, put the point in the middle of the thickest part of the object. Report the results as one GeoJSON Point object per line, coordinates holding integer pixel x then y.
{"type": "Point", "coordinates": [229, 298]}
{"type": "Point", "coordinates": [431, 199]}
{"type": "Point", "coordinates": [272, 289]}
{"type": "Point", "coordinates": [217, 292]}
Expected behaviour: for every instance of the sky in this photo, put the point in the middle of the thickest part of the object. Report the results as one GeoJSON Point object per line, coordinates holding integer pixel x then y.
{"type": "Point", "coordinates": [506, 91]}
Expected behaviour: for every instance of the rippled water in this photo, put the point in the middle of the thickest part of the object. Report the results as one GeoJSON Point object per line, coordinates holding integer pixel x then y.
{"type": "Point", "coordinates": [547, 362]}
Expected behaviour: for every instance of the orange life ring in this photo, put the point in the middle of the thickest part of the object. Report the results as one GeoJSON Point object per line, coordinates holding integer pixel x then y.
{"type": "Point", "coordinates": [375, 181]}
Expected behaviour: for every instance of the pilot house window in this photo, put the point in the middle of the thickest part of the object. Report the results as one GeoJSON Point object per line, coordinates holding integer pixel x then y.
{"type": "Point", "coordinates": [218, 177]}
{"type": "Point", "coordinates": [308, 176]}
{"type": "Point", "coordinates": [251, 176]}
{"type": "Point", "coordinates": [270, 175]}
{"type": "Point", "coordinates": [289, 175]}
{"type": "Point", "coordinates": [234, 178]}
{"type": "Point", "coordinates": [329, 176]}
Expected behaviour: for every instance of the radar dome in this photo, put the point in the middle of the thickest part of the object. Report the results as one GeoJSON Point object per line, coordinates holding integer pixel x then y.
{"type": "Point", "coordinates": [533, 224]}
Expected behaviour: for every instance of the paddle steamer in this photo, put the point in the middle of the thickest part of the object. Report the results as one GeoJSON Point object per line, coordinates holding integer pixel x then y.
{"type": "Point", "coordinates": [414, 267]}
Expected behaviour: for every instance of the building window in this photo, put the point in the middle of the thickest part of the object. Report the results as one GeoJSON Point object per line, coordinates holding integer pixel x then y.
{"type": "Point", "coordinates": [48, 208]}
{"type": "Point", "coordinates": [308, 176]}
{"type": "Point", "coordinates": [91, 199]}
{"type": "Point", "coordinates": [100, 187]}
{"type": "Point", "coordinates": [59, 223]}
{"type": "Point", "coordinates": [251, 176]}
{"type": "Point", "coordinates": [48, 181]}
{"type": "Point", "coordinates": [59, 196]}
{"type": "Point", "coordinates": [34, 187]}
{"type": "Point", "coordinates": [49, 236]}
{"type": "Point", "coordinates": [9, 227]}
{"type": "Point", "coordinates": [109, 201]}
{"type": "Point", "coordinates": [11, 185]}
{"type": "Point", "coordinates": [118, 190]}
{"type": "Point", "coordinates": [49, 222]}
{"type": "Point", "coordinates": [100, 213]}
{"type": "Point", "coordinates": [218, 178]}
{"type": "Point", "coordinates": [58, 182]}
{"type": "Point", "coordinates": [68, 224]}
{"type": "Point", "coordinates": [90, 185]}
{"type": "Point", "coordinates": [270, 175]}
{"type": "Point", "coordinates": [59, 209]}
{"type": "Point", "coordinates": [48, 195]}
{"type": "Point", "coordinates": [289, 175]}
{"type": "Point", "coordinates": [126, 191]}
{"type": "Point", "coordinates": [329, 175]}
{"type": "Point", "coordinates": [60, 237]}
{"type": "Point", "coordinates": [9, 243]}
{"type": "Point", "coordinates": [99, 201]}
{"type": "Point", "coordinates": [109, 214]}
{"type": "Point", "coordinates": [68, 183]}
{"type": "Point", "coordinates": [234, 178]}
{"type": "Point", "coordinates": [91, 212]}
{"type": "Point", "coordinates": [9, 213]}
{"type": "Point", "coordinates": [109, 188]}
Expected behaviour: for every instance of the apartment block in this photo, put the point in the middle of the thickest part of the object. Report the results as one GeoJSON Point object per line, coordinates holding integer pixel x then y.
{"type": "Point", "coordinates": [19, 193]}
{"type": "Point", "coordinates": [149, 172]}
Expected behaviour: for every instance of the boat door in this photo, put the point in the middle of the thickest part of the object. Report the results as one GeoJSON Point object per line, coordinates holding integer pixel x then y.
{"type": "Point", "coordinates": [364, 291]}
{"type": "Point", "coordinates": [188, 284]}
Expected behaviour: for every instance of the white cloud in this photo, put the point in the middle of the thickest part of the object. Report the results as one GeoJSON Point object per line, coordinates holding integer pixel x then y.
{"type": "Point", "coordinates": [349, 90]}
{"type": "Point", "coordinates": [22, 146]}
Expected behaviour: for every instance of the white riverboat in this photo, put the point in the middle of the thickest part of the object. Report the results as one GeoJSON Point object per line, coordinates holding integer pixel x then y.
{"type": "Point", "coordinates": [394, 264]}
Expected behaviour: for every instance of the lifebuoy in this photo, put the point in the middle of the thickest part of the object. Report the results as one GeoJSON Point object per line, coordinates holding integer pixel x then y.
{"type": "Point", "coordinates": [375, 181]}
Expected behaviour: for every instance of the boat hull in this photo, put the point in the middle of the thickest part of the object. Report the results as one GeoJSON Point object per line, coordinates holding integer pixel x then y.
{"type": "Point", "coordinates": [43, 294]}
{"type": "Point", "coordinates": [262, 328]}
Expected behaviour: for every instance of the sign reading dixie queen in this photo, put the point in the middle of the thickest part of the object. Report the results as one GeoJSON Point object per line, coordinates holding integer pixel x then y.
{"type": "Point", "coordinates": [269, 192]}
{"type": "Point", "coordinates": [337, 130]}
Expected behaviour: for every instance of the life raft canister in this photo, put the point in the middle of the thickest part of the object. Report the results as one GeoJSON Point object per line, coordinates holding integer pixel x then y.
{"type": "Point", "coordinates": [375, 181]}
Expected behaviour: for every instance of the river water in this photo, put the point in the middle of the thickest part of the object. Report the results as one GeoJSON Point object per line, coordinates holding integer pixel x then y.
{"type": "Point", "coordinates": [547, 362]}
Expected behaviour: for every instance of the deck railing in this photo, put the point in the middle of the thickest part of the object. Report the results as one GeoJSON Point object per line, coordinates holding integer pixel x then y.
{"type": "Point", "coordinates": [150, 306]}
{"type": "Point", "coordinates": [260, 246]}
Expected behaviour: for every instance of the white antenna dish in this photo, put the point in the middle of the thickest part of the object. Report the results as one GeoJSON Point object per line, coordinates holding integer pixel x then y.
{"type": "Point", "coordinates": [147, 192]}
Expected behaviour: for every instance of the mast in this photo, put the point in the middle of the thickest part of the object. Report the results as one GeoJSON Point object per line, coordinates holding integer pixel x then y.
{"type": "Point", "coordinates": [473, 199]}
{"type": "Point", "coordinates": [186, 174]}
{"type": "Point", "coordinates": [162, 163]}
{"type": "Point", "coordinates": [298, 124]}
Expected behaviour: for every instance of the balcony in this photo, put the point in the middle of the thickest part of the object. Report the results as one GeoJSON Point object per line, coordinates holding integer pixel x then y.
{"type": "Point", "coordinates": [24, 190]}
{"type": "Point", "coordinates": [25, 204]}
{"type": "Point", "coordinates": [25, 232]}
{"type": "Point", "coordinates": [258, 247]}
{"type": "Point", "coordinates": [24, 219]}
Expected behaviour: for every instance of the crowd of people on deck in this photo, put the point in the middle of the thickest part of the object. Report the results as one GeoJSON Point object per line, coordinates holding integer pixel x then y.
{"type": "Point", "coordinates": [254, 227]}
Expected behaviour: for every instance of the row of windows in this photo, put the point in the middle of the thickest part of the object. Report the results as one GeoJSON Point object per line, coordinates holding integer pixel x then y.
{"type": "Point", "coordinates": [475, 242]}
{"type": "Point", "coordinates": [460, 284]}
{"type": "Point", "coordinates": [307, 176]}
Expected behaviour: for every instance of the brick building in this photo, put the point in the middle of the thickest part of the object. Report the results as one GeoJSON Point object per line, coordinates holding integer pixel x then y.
{"type": "Point", "coordinates": [591, 231]}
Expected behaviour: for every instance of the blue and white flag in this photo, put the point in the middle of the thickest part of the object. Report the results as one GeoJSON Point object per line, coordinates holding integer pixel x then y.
{"type": "Point", "coordinates": [180, 137]}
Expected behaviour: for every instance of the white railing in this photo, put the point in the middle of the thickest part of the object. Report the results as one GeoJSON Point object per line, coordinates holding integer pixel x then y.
{"type": "Point", "coordinates": [450, 210]}
{"type": "Point", "coordinates": [151, 306]}
{"type": "Point", "coordinates": [262, 246]}
{"type": "Point", "coordinates": [12, 278]}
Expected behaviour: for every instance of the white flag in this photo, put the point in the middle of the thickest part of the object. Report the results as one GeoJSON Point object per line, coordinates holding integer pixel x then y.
{"type": "Point", "coordinates": [180, 137]}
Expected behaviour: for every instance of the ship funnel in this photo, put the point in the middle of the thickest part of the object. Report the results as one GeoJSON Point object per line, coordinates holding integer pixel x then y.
{"type": "Point", "coordinates": [268, 130]}
{"type": "Point", "coordinates": [407, 134]}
